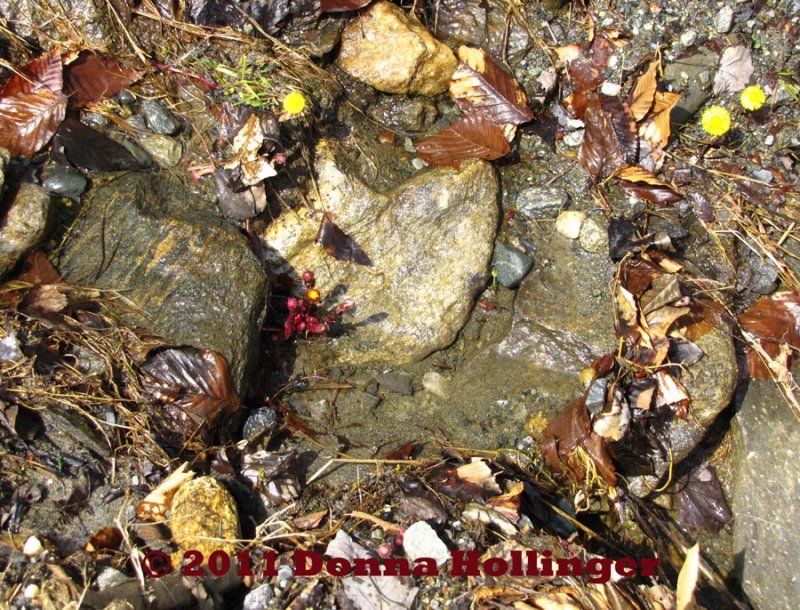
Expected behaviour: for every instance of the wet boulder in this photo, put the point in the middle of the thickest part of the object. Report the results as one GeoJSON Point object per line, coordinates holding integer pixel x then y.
{"type": "Point", "coordinates": [430, 244]}
{"type": "Point", "coordinates": [388, 49]}
{"type": "Point", "coordinates": [483, 23]}
{"type": "Point", "coordinates": [192, 276]}
{"type": "Point", "coordinates": [562, 321]}
{"type": "Point", "coordinates": [766, 490]}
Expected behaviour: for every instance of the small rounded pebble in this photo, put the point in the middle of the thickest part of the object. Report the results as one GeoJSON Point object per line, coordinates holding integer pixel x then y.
{"type": "Point", "coordinates": [32, 547]}
{"type": "Point", "coordinates": [569, 223]}
{"type": "Point", "coordinates": [31, 591]}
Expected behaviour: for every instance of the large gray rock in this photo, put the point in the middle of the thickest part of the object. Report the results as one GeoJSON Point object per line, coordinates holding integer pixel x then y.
{"type": "Point", "coordinates": [24, 225]}
{"type": "Point", "coordinates": [765, 497]}
{"type": "Point", "coordinates": [693, 76]}
{"type": "Point", "coordinates": [192, 275]}
{"type": "Point", "coordinates": [391, 51]}
{"type": "Point", "coordinates": [562, 321]}
{"type": "Point", "coordinates": [430, 242]}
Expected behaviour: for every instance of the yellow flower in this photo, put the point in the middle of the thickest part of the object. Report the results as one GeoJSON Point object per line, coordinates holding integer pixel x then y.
{"type": "Point", "coordinates": [294, 102]}
{"type": "Point", "coordinates": [753, 97]}
{"type": "Point", "coordinates": [716, 120]}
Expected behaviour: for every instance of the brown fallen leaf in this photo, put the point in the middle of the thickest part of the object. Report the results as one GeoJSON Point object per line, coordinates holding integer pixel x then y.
{"type": "Point", "coordinates": [93, 77]}
{"type": "Point", "coordinates": [29, 120]}
{"type": "Point", "coordinates": [775, 322]}
{"type": "Point", "coordinates": [195, 389]}
{"type": "Point", "coordinates": [473, 137]}
{"type": "Point", "coordinates": [643, 184]}
{"type": "Point", "coordinates": [480, 85]}
{"type": "Point", "coordinates": [104, 539]}
{"type": "Point", "coordinates": [585, 68]}
{"type": "Point", "coordinates": [508, 503]}
{"type": "Point", "coordinates": [310, 521]}
{"type": "Point", "coordinates": [339, 244]}
{"type": "Point", "coordinates": [44, 73]}
{"type": "Point", "coordinates": [643, 94]}
{"type": "Point", "coordinates": [610, 139]}
{"type": "Point", "coordinates": [672, 394]}
{"type": "Point", "coordinates": [569, 430]}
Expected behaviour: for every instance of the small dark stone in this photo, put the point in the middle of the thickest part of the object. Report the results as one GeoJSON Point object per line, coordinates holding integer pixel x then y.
{"type": "Point", "coordinates": [259, 420]}
{"type": "Point", "coordinates": [92, 119]}
{"type": "Point", "coordinates": [396, 382]}
{"type": "Point", "coordinates": [125, 97]}
{"type": "Point", "coordinates": [159, 119]}
{"type": "Point", "coordinates": [510, 264]}
{"type": "Point", "coordinates": [63, 181]}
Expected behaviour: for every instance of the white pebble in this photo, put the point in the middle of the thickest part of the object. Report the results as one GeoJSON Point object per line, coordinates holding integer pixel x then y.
{"type": "Point", "coordinates": [421, 540]}
{"type": "Point", "coordinates": [569, 223]}
{"type": "Point", "coordinates": [436, 384]}
{"type": "Point", "coordinates": [611, 89]}
{"type": "Point", "coordinates": [32, 547]}
{"type": "Point", "coordinates": [724, 20]}
{"type": "Point", "coordinates": [688, 38]}
{"type": "Point", "coordinates": [31, 591]}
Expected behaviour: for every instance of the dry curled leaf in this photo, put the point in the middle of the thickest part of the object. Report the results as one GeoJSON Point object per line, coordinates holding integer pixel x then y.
{"type": "Point", "coordinates": [480, 85]}
{"type": "Point", "coordinates": [473, 137]}
{"type": "Point", "coordinates": [154, 506]}
{"type": "Point", "coordinates": [570, 431]}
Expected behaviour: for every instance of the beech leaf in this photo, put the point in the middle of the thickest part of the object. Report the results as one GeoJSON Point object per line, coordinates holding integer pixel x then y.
{"type": "Point", "coordinates": [91, 78]}
{"type": "Point", "coordinates": [775, 321]}
{"type": "Point", "coordinates": [29, 120]}
{"type": "Point", "coordinates": [610, 139]}
{"type": "Point", "coordinates": [479, 84]}
{"type": "Point", "coordinates": [43, 73]}
{"type": "Point", "coordinates": [643, 94]}
{"type": "Point", "coordinates": [195, 388]}
{"type": "Point", "coordinates": [643, 184]}
{"type": "Point", "coordinates": [473, 137]}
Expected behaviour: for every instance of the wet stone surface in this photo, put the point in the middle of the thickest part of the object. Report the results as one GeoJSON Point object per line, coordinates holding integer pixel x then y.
{"type": "Point", "coordinates": [191, 275]}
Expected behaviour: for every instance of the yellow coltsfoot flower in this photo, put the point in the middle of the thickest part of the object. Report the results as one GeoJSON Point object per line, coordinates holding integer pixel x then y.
{"type": "Point", "coordinates": [294, 102]}
{"type": "Point", "coordinates": [753, 98]}
{"type": "Point", "coordinates": [716, 121]}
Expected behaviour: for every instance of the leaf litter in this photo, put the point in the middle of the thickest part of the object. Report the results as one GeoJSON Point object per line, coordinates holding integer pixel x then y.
{"type": "Point", "coordinates": [589, 443]}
